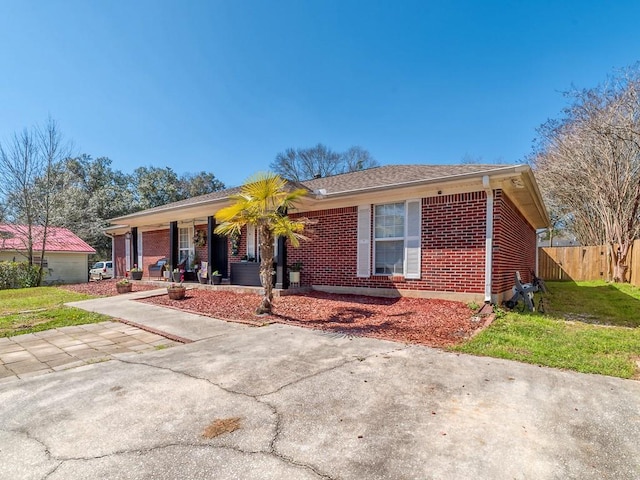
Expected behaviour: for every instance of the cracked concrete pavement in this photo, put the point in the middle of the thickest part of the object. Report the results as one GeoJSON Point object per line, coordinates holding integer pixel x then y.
{"type": "Point", "coordinates": [314, 405]}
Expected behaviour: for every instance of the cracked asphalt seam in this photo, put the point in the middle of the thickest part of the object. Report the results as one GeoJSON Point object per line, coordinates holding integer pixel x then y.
{"type": "Point", "coordinates": [272, 449]}
{"type": "Point", "coordinates": [47, 452]}
{"type": "Point", "coordinates": [62, 460]}
{"type": "Point", "coordinates": [186, 444]}
{"type": "Point", "coordinates": [257, 397]}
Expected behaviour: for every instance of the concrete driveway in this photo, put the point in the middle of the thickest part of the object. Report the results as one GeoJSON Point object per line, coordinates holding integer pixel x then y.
{"type": "Point", "coordinates": [313, 405]}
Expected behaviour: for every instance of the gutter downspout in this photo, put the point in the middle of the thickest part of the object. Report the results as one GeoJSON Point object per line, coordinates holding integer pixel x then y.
{"type": "Point", "coordinates": [488, 258]}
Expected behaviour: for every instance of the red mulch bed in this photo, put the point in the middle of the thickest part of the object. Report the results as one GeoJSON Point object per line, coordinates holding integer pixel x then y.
{"type": "Point", "coordinates": [105, 288]}
{"type": "Point", "coordinates": [430, 322]}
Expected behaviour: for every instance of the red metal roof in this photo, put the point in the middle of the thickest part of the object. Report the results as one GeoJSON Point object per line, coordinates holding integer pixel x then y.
{"type": "Point", "coordinates": [13, 237]}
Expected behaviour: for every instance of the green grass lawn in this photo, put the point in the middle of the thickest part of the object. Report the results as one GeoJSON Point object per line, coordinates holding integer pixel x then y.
{"type": "Point", "coordinates": [595, 302]}
{"type": "Point", "coordinates": [30, 310]}
{"type": "Point", "coordinates": [590, 327]}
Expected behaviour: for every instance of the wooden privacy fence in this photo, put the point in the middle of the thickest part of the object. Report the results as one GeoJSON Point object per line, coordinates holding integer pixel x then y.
{"type": "Point", "coordinates": [584, 263]}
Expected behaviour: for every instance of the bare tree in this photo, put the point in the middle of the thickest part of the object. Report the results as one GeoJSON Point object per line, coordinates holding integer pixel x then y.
{"type": "Point", "coordinates": [320, 161]}
{"type": "Point", "coordinates": [357, 158]}
{"type": "Point", "coordinates": [27, 164]}
{"type": "Point", "coordinates": [589, 162]}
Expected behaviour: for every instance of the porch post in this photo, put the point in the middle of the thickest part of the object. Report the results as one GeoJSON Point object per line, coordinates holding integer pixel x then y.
{"type": "Point", "coordinates": [281, 264]}
{"type": "Point", "coordinates": [211, 223]}
{"type": "Point", "coordinates": [134, 245]}
{"type": "Point", "coordinates": [173, 244]}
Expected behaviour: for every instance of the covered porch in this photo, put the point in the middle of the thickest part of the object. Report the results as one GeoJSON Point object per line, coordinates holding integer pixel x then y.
{"type": "Point", "coordinates": [189, 250]}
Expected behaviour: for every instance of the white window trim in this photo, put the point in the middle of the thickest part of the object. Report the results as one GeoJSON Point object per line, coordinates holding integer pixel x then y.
{"type": "Point", "coordinates": [251, 241]}
{"type": "Point", "coordinates": [363, 248]}
{"type": "Point", "coordinates": [190, 249]}
{"type": "Point", "coordinates": [405, 239]}
{"type": "Point", "coordinates": [140, 255]}
{"type": "Point", "coordinates": [408, 269]}
{"type": "Point", "coordinates": [127, 252]}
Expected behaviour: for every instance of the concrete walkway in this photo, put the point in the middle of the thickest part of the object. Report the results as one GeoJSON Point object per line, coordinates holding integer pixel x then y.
{"type": "Point", "coordinates": [183, 325]}
{"type": "Point", "coordinates": [306, 404]}
{"type": "Point", "coordinates": [24, 356]}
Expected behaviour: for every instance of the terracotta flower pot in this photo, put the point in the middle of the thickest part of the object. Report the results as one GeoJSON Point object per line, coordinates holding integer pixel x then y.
{"type": "Point", "coordinates": [126, 288]}
{"type": "Point", "coordinates": [176, 293]}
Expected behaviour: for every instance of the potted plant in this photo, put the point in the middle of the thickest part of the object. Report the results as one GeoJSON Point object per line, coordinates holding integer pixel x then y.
{"type": "Point", "coordinates": [216, 278]}
{"type": "Point", "coordinates": [177, 275]}
{"type": "Point", "coordinates": [124, 285]}
{"type": "Point", "coordinates": [176, 291]}
{"type": "Point", "coordinates": [136, 273]}
{"type": "Point", "coordinates": [294, 273]}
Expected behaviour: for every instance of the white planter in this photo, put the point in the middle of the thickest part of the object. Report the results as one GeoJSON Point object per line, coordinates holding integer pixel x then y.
{"type": "Point", "coordinates": [294, 278]}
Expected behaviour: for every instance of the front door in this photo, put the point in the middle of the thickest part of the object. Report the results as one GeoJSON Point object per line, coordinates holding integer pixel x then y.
{"type": "Point", "coordinates": [220, 255]}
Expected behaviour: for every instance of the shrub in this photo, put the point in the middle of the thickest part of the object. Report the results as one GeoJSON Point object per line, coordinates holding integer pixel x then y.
{"type": "Point", "coordinates": [18, 275]}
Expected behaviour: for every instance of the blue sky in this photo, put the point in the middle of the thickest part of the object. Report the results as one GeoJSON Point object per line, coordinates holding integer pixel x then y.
{"type": "Point", "coordinates": [225, 86]}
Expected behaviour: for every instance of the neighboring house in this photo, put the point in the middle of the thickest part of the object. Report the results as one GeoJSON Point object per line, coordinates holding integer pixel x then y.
{"type": "Point", "coordinates": [562, 240]}
{"type": "Point", "coordinates": [66, 255]}
{"type": "Point", "coordinates": [443, 231]}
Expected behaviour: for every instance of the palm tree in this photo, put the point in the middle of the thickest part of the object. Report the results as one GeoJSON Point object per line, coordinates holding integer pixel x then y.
{"type": "Point", "coordinates": [263, 202]}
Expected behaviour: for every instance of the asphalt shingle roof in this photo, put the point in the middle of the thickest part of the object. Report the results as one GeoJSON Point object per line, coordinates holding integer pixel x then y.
{"type": "Point", "coordinates": [377, 177]}
{"type": "Point", "coordinates": [391, 175]}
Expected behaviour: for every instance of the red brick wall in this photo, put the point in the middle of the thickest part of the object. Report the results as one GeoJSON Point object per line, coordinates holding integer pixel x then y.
{"type": "Point", "coordinates": [155, 246]}
{"type": "Point", "coordinates": [514, 244]}
{"type": "Point", "coordinates": [201, 252]}
{"type": "Point", "coordinates": [453, 231]}
{"type": "Point", "coordinates": [453, 242]}
{"type": "Point", "coordinates": [329, 257]}
{"type": "Point", "coordinates": [242, 249]}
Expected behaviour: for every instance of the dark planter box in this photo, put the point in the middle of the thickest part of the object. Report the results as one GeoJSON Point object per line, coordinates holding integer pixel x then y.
{"type": "Point", "coordinates": [216, 279]}
{"type": "Point", "coordinates": [246, 273]}
{"type": "Point", "coordinates": [136, 275]}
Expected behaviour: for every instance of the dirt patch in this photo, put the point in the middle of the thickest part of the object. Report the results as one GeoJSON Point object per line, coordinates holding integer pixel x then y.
{"type": "Point", "coordinates": [409, 320]}
{"type": "Point", "coordinates": [104, 288]}
{"type": "Point", "coordinates": [220, 426]}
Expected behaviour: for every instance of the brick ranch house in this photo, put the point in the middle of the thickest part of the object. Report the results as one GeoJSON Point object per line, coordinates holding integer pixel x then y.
{"type": "Point", "coordinates": [442, 231]}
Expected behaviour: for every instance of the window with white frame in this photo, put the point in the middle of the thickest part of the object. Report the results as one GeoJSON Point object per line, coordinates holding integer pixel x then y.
{"type": "Point", "coordinates": [388, 231]}
{"type": "Point", "coordinates": [185, 246]}
{"type": "Point", "coordinates": [396, 235]}
{"type": "Point", "coordinates": [251, 242]}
